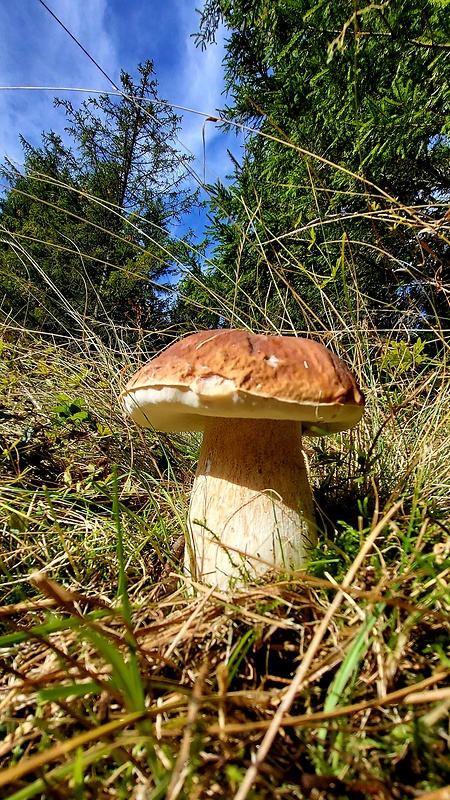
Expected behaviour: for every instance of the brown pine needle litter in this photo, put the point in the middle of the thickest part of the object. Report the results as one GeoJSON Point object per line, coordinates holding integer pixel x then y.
{"type": "Point", "coordinates": [63, 704]}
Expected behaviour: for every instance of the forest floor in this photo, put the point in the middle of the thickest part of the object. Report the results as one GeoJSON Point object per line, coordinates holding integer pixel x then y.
{"type": "Point", "coordinates": [120, 678]}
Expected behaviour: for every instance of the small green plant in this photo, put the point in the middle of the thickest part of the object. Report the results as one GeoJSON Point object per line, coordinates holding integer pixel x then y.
{"type": "Point", "coordinates": [70, 411]}
{"type": "Point", "coordinates": [401, 357]}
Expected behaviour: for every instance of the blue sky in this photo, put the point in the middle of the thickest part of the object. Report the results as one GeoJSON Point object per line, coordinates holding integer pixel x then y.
{"type": "Point", "coordinates": [36, 52]}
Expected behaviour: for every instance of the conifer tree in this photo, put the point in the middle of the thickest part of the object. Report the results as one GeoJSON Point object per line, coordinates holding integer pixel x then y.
{"type": "Point", "coordinates": [345, 178]}
{"type": "Point", "coordinates": [87, 226]}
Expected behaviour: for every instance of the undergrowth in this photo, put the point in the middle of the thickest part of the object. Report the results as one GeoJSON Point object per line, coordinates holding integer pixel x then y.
{"type": "Point", "coordinates": [120, 681]}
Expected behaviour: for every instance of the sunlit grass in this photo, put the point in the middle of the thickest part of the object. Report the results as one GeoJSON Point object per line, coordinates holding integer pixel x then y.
{"type": "Point", "coordinates": [120, 678]}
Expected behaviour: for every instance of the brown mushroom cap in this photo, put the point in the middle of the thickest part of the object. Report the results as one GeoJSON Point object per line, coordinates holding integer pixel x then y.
{"type": "Point", "coordinates": [235, 373]}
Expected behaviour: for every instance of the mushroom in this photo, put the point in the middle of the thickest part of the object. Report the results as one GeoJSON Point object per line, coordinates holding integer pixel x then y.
{"type": "Point", "coordinates": [253, 396]}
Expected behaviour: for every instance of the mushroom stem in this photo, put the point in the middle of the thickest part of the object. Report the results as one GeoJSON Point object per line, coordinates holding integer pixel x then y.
{"type": "Point", "coordinates": [251, 507]}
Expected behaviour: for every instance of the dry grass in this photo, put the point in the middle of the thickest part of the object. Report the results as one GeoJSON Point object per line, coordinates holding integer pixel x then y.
{"type": "Point", "coordinates": [120, 680]}
{"type": "Point", "coordinates": [215, 669]}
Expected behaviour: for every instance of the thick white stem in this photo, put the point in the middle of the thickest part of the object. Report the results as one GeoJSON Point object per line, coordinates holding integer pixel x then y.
{"type": "Point", "coordinates": [251, 509]}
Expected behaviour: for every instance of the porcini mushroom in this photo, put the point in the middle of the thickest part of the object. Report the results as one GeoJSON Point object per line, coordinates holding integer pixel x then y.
{"type": "Point", "coordinates": [253, 396]}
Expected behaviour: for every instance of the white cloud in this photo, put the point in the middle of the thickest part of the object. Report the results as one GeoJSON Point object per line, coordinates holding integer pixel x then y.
{"type": "Point", "coordinates": [38, 52]}
{"type": "Point", "coordinates": [198, 84]}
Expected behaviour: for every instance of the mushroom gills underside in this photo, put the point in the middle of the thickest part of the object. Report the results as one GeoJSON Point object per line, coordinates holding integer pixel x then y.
{"type": "Point", "coordinates": [175, 408]}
